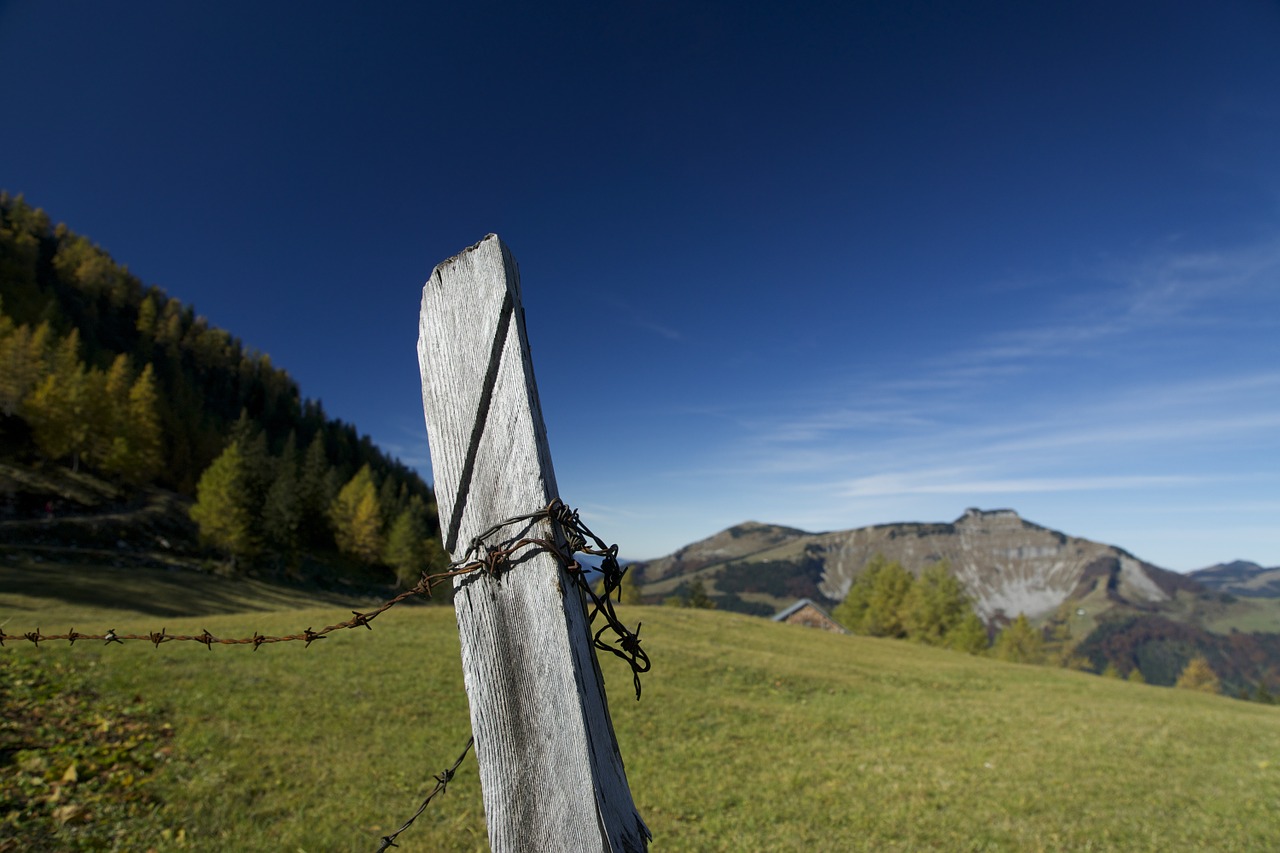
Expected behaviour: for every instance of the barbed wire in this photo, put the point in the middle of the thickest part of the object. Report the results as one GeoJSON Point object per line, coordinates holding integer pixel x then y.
{"type": "Point", "coordinates": [442, 782]}
{"type": "Point", "coordinates": [569, 536]}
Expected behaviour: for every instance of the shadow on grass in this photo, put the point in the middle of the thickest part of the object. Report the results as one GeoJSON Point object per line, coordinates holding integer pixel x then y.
{"type": "Point", "coordinates": [158, 592]}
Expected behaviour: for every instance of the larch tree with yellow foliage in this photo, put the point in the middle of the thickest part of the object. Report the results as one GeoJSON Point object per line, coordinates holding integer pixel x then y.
{"type": "Point", "coordinates": [357, 518]}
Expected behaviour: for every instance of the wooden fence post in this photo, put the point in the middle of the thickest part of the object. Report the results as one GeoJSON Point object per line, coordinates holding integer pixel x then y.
{"type": "Point", "coordinates": [550, 767]}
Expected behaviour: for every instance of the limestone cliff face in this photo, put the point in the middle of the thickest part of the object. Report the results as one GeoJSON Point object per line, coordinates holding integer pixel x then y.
{"type": "Point", "coordinates": [1008, 565]}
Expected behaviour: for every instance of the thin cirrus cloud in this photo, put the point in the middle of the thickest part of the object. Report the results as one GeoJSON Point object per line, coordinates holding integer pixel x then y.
{"type": "Point", "coordinates": [954, 482]}
{"type": "Point", "coordinates": [1138, 300]}
{"type": "Point", "coordinates": [993, 403]}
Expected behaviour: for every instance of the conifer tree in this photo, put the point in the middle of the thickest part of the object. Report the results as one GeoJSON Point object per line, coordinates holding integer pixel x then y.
{"type": "Point", "coordinates": [389, 498]}
{"type": "Point", "coordinates": [407, 550]}
{"type": "Point", "coordinates": [146, 445]}
{"type": "Point", "coordinates": [357, 518]}
{"type": "Point", "coordinates": [223, 509]}
{"type": "Point", "coordinates": [259, 464]}
{"type": "Point", "coordinates": [970, 636]}
{"type": "Point", "coordinates": [875, 601]}
{"type": "Point", "coordinates": [109, 439]}
{"type": "Point", "coordinates": [316, 493]}
{"type": "Point", "coordinates": [697, 596]}
{"type": "Point", "coordinates": [1199, 675]}
{"type": "Point", "coordinates": [1136, 676]}
{"type": "Point", "coordinates": [24, 357]}
{"type": "Point", "coordinates": [935, 606]}
{"type": "Point", "coordinates": [59, 407]}
{"type": "Point", "coordinates": [1019, 642]}
{"type": "Point", "coordinates": [282, 506]}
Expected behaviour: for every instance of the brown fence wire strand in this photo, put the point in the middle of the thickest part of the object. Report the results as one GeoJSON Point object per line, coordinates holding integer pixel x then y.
{"type": "Point", "coordinates": [569, 536]}
{"type": "Point", "coordinates": [442, 782]}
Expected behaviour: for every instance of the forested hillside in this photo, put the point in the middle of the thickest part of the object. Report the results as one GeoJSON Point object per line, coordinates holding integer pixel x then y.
{"type": "Point", "coordinates": [104, 375]}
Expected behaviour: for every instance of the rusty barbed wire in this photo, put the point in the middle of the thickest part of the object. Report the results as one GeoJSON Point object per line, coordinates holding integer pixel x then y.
{"type": "Point", "coordinates": [442, 782]}
{"type": "Point", "coordinates": [570, 536]}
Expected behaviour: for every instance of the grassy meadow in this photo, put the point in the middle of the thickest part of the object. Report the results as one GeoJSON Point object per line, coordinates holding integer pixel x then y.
{"type": "Point", "coordinates": [750, 735]}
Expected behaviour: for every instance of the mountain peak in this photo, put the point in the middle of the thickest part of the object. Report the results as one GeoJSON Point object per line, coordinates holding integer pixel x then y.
{"type": "Point", "coordinates": [1007, 564]}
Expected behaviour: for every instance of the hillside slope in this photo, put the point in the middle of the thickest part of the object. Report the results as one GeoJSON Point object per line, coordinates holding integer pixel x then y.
{"type": "Point", "coordinates": [750, 736]}
{"type": "Point", "coordinates": [1240, 577]}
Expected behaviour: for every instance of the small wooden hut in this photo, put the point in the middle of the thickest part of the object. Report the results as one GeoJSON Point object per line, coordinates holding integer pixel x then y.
{"type": "Point", "coordinates": [805, 612]}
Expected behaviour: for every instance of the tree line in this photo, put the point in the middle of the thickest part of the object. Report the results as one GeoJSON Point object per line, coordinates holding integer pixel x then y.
{"type": "Point", "coordinates": [100, 371]}
{"type": "Point", "coordinates": [70, 410]}
{"type": "Point", "coordinates": [251, 503]}
{"type": "Point", "coordinates": [886, 600]}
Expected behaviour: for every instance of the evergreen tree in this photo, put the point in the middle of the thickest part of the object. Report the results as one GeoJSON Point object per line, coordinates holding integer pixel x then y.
{"type": "Point", "coordinates": [316, 492]}
{"type": "Point", "coordinates": [875, 601]}
{"type": "Point", "coordinates": [24, 354]}
{"type": "Point", "coordinates": [935, 606]}
{"type": "Point", "coordinates": [1019, 642]}
{"type": "Point", "coordinates": [260, 465]}
{"type": "Point", "coordinates": [389, 498]}
{"type": "Point", "coordinates": [223, 509]}
{"type": "Point", "coordinates": [1136, 676]}
{"type": "Point", "coordinates": [697, 596]}
{"type": "Point", "coordinates": [1111, 670]}
{"type": "Point", "coordinates": [970, 636]}
{"type": "Point", "coordinates": [282, 506]}
{"type": "Point", "coordinates": [407, 550]}
{"type": "Point", "coordinates": [59, 407]}
{"type": "Point", "coordinates": [145, 436]}
{"type": "Point", "coordinates": [109, 439]}
{"type": "Point", "coordinates": [357, 518]}
{"type": "Point", "coordinates": [1199, 675]}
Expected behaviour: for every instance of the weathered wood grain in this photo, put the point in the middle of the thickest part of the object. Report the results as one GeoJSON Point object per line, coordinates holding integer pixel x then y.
{"type": "Point", "coordinates": [550, 768]}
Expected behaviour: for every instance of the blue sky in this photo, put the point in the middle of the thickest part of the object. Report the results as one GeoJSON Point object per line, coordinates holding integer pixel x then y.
{"type": "Point", "coordinates": [823, 265]}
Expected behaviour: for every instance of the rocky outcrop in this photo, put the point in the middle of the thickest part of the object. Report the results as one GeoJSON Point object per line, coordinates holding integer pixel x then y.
{"type": "Point", "coordinates": [1007, 564]}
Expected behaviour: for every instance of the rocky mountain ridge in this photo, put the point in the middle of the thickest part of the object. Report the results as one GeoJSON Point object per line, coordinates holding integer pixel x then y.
{"type": "Point", "coordinates": [1007, 564]}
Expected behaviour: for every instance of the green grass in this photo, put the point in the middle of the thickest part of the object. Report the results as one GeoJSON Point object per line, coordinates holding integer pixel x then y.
{"type": "Point", "coordinates": [1245, 614]}
{"type": "Point", "coordinates": [750, 736]}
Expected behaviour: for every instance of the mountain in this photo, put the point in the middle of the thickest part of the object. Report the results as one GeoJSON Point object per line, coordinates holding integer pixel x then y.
{"type": "Point", "coordinates": [1097, 604]}
{"type": "Point", "coordinates": [1007, 564]}
{"type": "Point", "coordinates": [1240, 577]}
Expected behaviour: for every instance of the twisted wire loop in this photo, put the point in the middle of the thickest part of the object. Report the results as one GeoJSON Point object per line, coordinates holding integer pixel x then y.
{"type": "Point", "coordinates": [569, 536]}
{"type": "Point", "coordinates": [576, 534]}
{"type": "Point", "coordinates": [442, 782]}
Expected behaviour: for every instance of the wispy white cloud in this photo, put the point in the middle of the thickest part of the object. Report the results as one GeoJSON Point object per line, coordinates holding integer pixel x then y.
{"type": "Point", "coordinates": [955, 482]}
{"type": "Point", "coordinates": [1160, 292]}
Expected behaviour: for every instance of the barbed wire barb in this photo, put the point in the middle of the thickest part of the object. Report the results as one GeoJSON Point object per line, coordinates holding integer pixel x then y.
{"type": "Point", "coordinates": [442, 782]}
{"type": "Point", "coordinates": [569, 536]}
